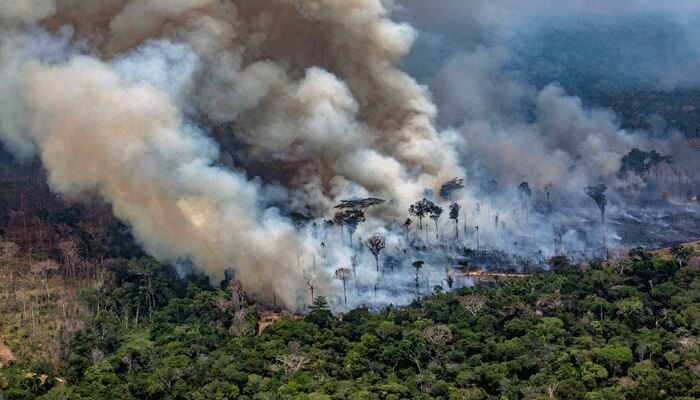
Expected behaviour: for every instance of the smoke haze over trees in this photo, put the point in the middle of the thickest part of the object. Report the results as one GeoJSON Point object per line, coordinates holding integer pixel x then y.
{"type": "Point", "coordinates": [253, 135]}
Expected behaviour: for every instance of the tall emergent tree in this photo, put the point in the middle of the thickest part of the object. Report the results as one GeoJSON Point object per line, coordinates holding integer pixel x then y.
{"type": "Point", "coordinates": [597, 193]}
{"type": "Point", "coordinates": [299, 219]}
{"type": "Point", "coordinates": [353, 263]}
{"type": "Point", "coordinates": [407, 225]}
{"type": "Point", "coordinates": [524, 193]}
{"type": "Point", "coordinates": [454, 215]}
{"type": "Point", "coordinates": [343, 274]}
{"type": "Point", "coordinates": [311, 287]}
{"type": "Point", "coordinates": [417, 265]}
{"type": "Point", "coordinates": [376, 244]}
{"type": "Point", "coordinates": [420, 209]}
{"type": "Point", "coordinates": [339, 219]}
{"type": "Point", "coordinates": [548, 190]}
{"type": "Point", "coordinates": [359, 204]}
{"type": "Point", "coordinates": [353, 213]}
{"type": "Point", "coordinates": [435, 213]}
{"type": "Point", "coordinates": [350, 218]}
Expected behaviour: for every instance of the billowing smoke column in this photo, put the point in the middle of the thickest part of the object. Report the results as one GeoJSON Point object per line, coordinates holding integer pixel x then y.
{"type": "Point", "coordinates": [112, 97]}
{"type": "Point", "coordinates": [205, 122]}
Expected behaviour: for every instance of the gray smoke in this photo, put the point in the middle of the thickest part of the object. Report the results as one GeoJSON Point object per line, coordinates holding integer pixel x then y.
{"type": "Point", "coordinates": [505, 107]}
{"type": "Point", "coordinates": [204, 122]}
{"type": "Point", "coordinates": [113, 96]}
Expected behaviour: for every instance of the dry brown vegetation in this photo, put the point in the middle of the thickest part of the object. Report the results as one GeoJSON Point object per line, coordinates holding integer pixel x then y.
{"type": "Point", "coordinates": [50, 249]}
{"type": "Point", "coordinates": [39, 307]}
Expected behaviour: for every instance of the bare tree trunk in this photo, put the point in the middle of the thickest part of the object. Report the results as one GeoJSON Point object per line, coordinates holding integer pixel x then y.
{"type": "Point", "coordinates": [345, 295]}
{"type": "Point", "coordinates": [605, 239]}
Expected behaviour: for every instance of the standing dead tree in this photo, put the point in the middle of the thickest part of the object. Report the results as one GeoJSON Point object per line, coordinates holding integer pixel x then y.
{"type": "Point", "coordinates": [311, 287]}
{"type": "Point", "coordinates": [353, 263]}
{"type": "Point", "coordinates": [8, 250]}
{"type": "Point", "coordinates": [343, 275]}
{"type": "Point", "coordinates": [473, 303]}
{"type": "Point", "coordinates": [437, 337]}
{"type": "Point", "coordinates": [548, 190]}
{"type": "Point", "coordinates": [293, 362]}
{"type": "Point", "coordinates": [71, 258]}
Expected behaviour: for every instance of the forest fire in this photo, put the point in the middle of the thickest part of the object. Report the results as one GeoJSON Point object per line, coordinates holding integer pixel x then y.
{"type": "Point", "coordinates": [349, 199]}
{"type": "Point", "coordinates": [227, 149]}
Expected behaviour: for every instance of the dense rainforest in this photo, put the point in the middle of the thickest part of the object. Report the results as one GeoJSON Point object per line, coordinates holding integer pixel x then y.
{"type": "Point", "coordinates": [628, 329]}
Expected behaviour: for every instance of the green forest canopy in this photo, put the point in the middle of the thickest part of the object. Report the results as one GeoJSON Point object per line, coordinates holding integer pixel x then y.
{"type": "Point", "coordinates": [626, 330]}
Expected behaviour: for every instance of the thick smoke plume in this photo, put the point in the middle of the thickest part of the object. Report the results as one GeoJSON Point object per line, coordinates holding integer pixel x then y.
{"type": "Point", "coordinates": [303, 98]}
{"type": "Point", "coordinates": [206, 123]}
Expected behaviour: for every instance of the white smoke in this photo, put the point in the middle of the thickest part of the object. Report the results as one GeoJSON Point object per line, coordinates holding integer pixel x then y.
{"type": "Point", "coordinates": [110, 96]}
{"type": "Point", "coordinates": [203, 122]}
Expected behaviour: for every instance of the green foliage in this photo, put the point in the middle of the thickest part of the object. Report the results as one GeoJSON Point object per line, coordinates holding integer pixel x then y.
{"type": "Point", "coordinates": [599, 332]}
